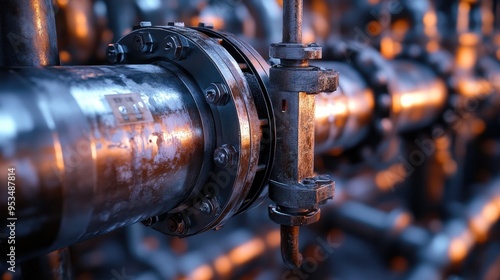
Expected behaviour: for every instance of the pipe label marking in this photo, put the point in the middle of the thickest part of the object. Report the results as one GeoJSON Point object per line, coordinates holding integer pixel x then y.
{"type": "Point", "coordinates": [129, 108]}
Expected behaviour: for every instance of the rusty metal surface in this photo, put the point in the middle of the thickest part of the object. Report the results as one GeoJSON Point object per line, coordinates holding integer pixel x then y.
{"type": "Point", "coordinates": [292, 21]}
{"type": "Point", "coordinates": [236, 119]}
{"type": "Point", "coordinates": [96, 174]}
{"type": "Point", "coordinates": [294, 85]}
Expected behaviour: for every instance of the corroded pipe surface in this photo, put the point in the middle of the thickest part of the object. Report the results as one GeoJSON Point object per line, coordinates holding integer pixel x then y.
{"type": "Point", "coordinates": [95, 149]}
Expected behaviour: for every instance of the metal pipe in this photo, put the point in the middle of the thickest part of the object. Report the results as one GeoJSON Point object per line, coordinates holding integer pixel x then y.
{"type": "Point", "coordinates": [28, 34]}
{"type": "Point", "coordinates": [342, 118]}
{"type": "Point", "coordinates": [292, 21]}
{"type": "Point", "coordinates": [97, 148]}
{"type": "Point", "coordinates": [290, 246]}
{"type": "Point", "coordinates": [417, 98]}
{"type": "Point", "coordinates": [418, 95]}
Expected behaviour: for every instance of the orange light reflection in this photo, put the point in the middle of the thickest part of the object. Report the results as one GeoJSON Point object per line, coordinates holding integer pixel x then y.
{"type": "Point", "coordinates": [247, 251]}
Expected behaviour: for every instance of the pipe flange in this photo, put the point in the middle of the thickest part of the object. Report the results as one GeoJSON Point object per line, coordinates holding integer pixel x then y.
{"type": "Point", "coordinates": [256, 71]}
{"type": "Point", "coordinates": [240, 119]}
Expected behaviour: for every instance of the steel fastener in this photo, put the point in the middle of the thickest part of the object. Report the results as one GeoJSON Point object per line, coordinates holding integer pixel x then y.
{"type": "Point", "coordinates": [309, 182]}
{"type": "Point", "coordinates": [115, 53]}
{"type": "Point", "coordinates": [206, 25]}
{"type": "Point", "coordinates": [225, 156]}
{"type": "Point", "coordinates": [206, 207]}
{"type": "Point", "coordinates": [151, 221]}
{"type": "Point", "coordinates": [217, 94]}
{"type": "Point", "coordinates": [177, 224]}
{"type": "Point", "coordinates": [176, 23]}
{"type": "Point", "coordinates": [177, 48]}
{"type": "Point", "coordinates": [143, 42]}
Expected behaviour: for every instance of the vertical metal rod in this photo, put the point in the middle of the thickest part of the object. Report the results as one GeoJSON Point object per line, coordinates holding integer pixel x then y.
{"type": "Point", "coordinates": [290, 246]}
{"type": "Point", "coordinates": [292, 21]}
{"type": "Point", "coordinates": [28, 35]}
{"type": "Point", "coordinates": [292, 33]}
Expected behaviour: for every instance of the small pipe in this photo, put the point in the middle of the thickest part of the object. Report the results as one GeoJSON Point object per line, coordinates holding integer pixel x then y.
{"type": "Point", "coordinates": [290, 246]}
{"type": "Point", "coordinates": [292, 21]}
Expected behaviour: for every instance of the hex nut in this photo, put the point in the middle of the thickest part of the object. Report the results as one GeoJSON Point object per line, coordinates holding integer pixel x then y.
{"type": "Point", "coordinates": [176, 48]}
{"type": "Point", "coordinates": [115, 53]}
{"type": "Point", "coordinates": [225, 156]}
{"type": "Point", "coordinates": [217, 94]}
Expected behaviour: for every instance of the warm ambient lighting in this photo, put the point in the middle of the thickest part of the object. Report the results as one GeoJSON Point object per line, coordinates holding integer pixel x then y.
{"type": "Point", "coordinates": [247, 251]}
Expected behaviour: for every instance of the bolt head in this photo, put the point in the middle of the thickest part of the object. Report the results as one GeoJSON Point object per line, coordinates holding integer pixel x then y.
{"type": "Point", "coordinates": [176, 224]}
{"type": "Point", "coordinates": [151, 221]}
{"type": "Point", "coordinates": [205, 207]}
{"type": "Point", "coordinates": [206, 25]}
{"type": "Point", "coordinates": [138, 42]}
{"type": "Point", "coordinates": [178, 24]}
{"type": "Point", "coordinates": [175, 47]}
{"type": "Point", "coordinates": [225, 156]}
{"type": "Point", "coordinates": [115, 53]}
{"type": "Point", "coordinates": [322, 179]}
{"type": "Point", "coordinates": [221, 158]}
{"type": "Point", "coordinates": [217, 94]}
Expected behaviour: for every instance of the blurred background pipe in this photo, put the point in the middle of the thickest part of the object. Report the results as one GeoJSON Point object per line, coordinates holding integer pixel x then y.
{"type": "Point", "coordinates": [28, 35]}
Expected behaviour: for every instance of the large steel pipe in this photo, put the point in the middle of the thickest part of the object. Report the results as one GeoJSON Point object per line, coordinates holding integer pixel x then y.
{"type": "Point", "coordinates": [96, 148]}
{"type": "Point", "coordinates": [415, 99]}
{"type": "Point", "coordinates": [418, 95]}
{"type": "Point", "coordinates": [343, 117]}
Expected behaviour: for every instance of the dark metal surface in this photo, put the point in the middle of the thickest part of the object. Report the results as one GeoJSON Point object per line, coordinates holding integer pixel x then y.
{"type": "Point", "coordinates": [55, 265]}
{"type": "Point", "coordinates": [28, 34]}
